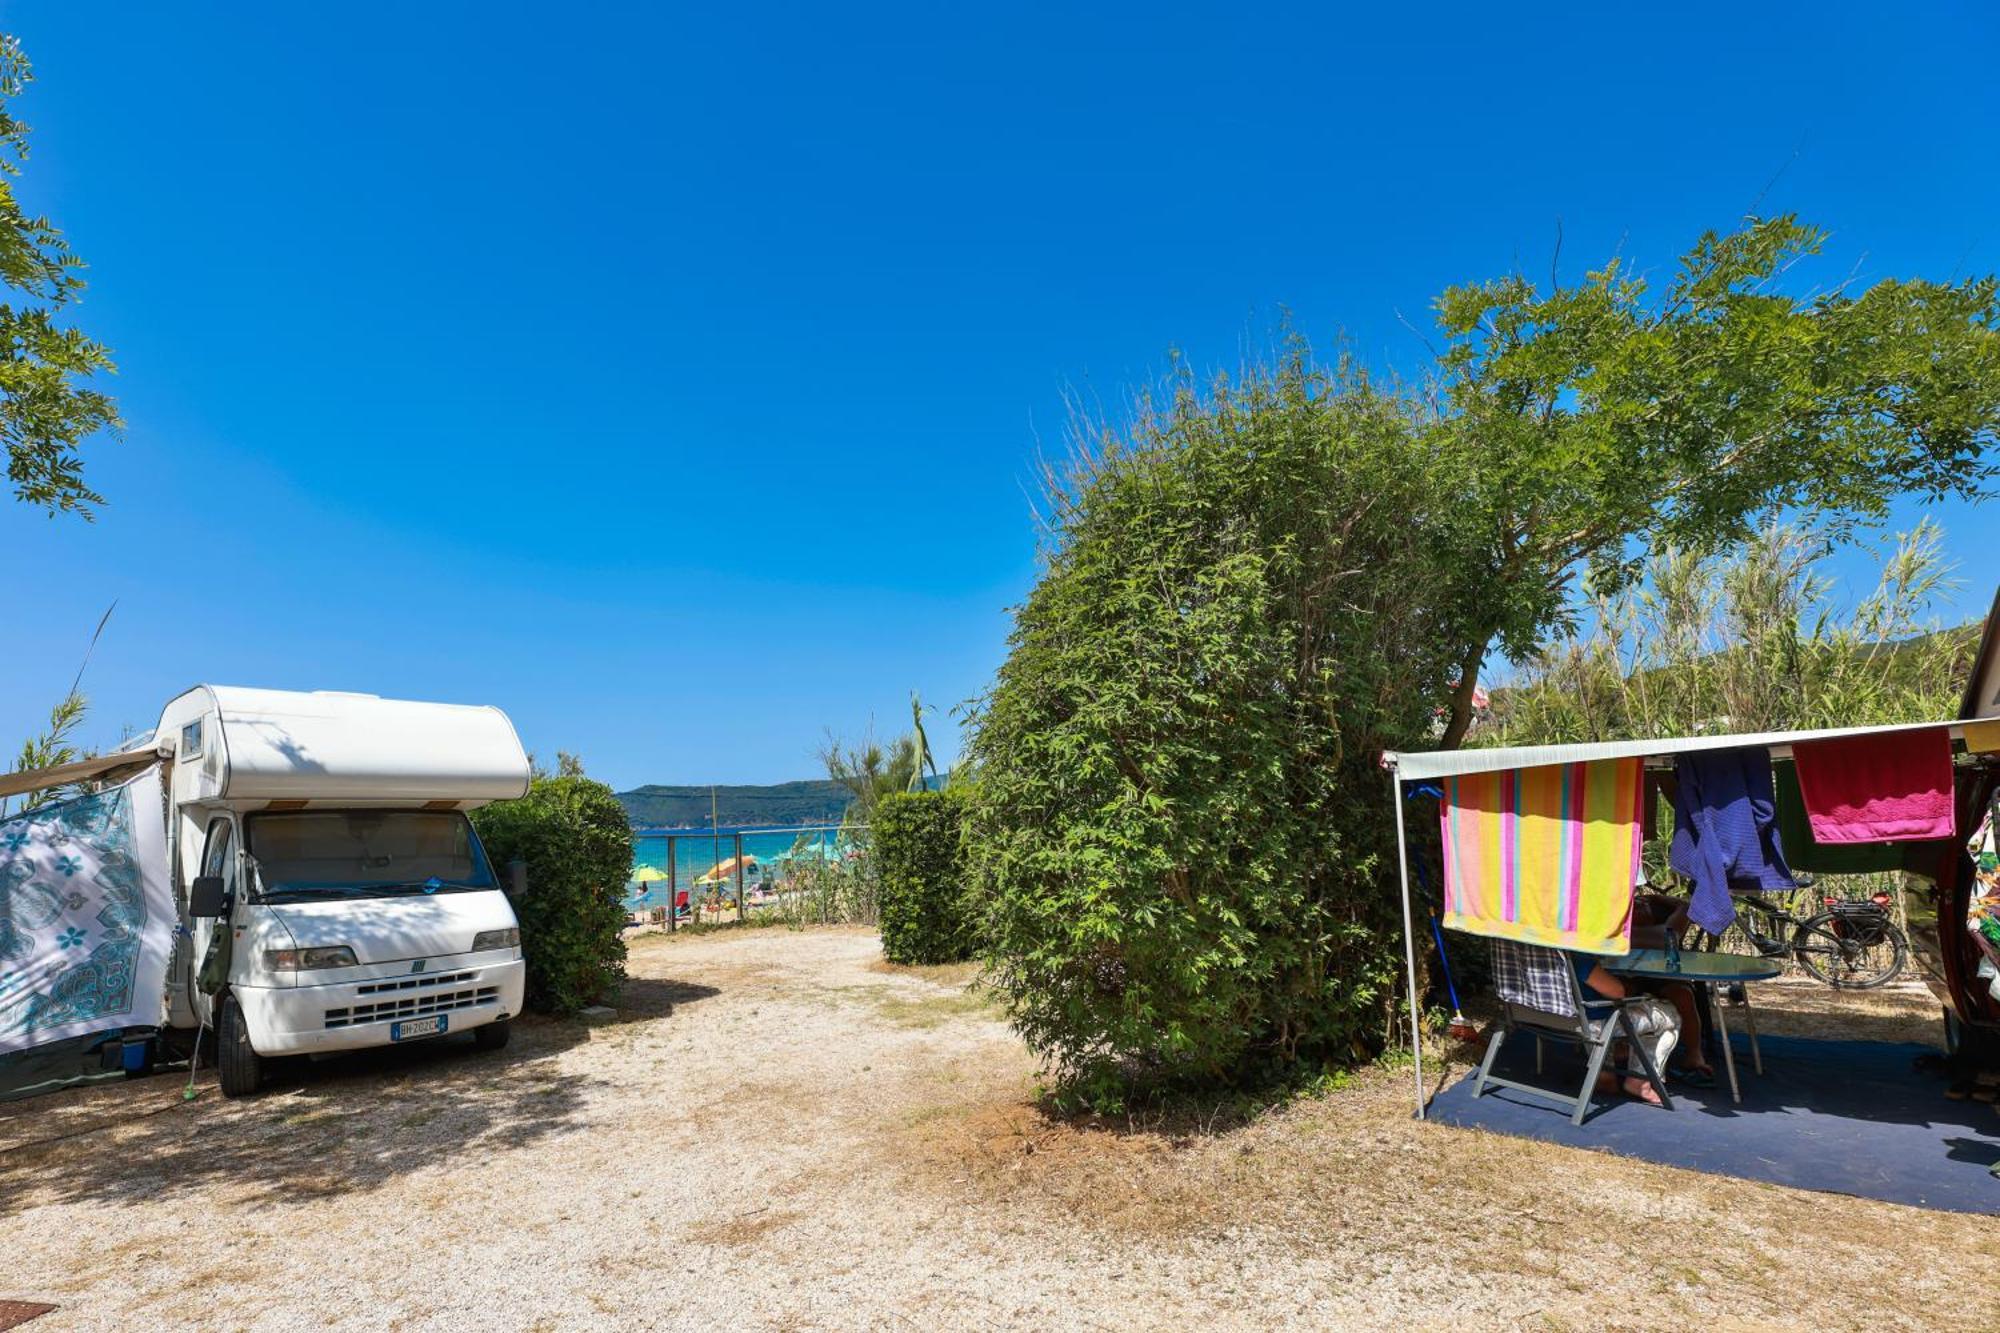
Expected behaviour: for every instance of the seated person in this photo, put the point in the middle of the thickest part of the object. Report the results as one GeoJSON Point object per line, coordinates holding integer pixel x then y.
{"type": "Point", "coordinates": [1654, 1020]}
{"type": "Point", "coordinates": [1656, 917]}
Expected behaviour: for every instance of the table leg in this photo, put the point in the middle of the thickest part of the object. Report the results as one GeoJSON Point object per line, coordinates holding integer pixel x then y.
{"type": "Point", "coordinates": [1717, 1003]}
{"type": "Point", "coordinates": [1750, 1021]}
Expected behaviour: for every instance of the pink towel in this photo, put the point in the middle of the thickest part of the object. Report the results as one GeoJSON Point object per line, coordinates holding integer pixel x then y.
{"type": "Point", "coordinates": [1889, 787]}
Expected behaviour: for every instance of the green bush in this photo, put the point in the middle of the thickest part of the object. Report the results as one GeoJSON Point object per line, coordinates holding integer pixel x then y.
{"type": "Point", "coordinates": [577, 843]}
{"type": "Point", "coordinates": [1183, 842]}
{"type": "Point", "coordinates": [920, 857]}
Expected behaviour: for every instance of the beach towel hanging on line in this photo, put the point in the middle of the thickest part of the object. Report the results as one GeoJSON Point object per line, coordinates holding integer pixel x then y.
{"type": "Point", "coordinates": [1544, 855]}
{"type": "Point", "coordinates": [1893, 787]}
{"type": "Point", "coordinates": [1726, 831]}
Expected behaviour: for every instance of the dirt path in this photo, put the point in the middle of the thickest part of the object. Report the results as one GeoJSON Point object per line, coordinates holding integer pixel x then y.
{"type": "Point", "coordinates": [781, 1133]}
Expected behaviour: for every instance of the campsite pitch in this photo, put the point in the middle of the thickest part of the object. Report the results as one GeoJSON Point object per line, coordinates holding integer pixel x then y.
{"type": "Point", "coordinates": [782, 1132]}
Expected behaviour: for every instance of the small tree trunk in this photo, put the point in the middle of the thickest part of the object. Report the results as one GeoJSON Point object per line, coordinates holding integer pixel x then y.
{"type": "Point", "coordinates": [1461, 697]}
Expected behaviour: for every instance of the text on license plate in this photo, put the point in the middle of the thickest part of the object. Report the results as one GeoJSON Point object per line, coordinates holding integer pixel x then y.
{"type": "Point", "coordinates": [418, 1027]}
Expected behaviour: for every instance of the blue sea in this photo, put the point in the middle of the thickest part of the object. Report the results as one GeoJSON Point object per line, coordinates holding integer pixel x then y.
{"type": "Point", "coordinates": [697, 851]}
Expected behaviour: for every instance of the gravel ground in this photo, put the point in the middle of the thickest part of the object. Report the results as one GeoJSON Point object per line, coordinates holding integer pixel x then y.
{"type": "Point", "coordinates": [780, 1132]}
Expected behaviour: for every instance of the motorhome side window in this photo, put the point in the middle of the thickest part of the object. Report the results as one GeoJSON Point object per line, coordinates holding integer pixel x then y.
{"type": "Point", "coordinates": [191, 740]}
{"type": "Point", "coordinates": [215, 858]}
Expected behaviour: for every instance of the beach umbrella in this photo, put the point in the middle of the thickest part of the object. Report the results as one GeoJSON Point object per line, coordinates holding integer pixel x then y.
{"type": "Point", "coordinates": [726, 870]}
{"type": "Point", "coordinates": [648, 875]}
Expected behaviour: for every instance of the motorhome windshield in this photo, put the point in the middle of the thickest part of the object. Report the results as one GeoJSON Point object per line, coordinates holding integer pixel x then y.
{"type": "Point", "coordinates": [365, 853]}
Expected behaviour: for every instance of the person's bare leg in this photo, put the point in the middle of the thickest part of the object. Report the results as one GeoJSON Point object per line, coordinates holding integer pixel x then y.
{"type": "Point", "coordinates": [1689, 1047]}
{"type": "Point", "coordinates": [1621, 1054]}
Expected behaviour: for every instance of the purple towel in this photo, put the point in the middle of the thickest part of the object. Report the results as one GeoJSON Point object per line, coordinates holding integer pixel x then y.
{"type": "Point", "coordinates": [1725, 831]}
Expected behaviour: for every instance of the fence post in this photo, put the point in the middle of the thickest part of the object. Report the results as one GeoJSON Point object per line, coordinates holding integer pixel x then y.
{"type": "Point", "coordinates": [673, 886]}
{"type": "Point", "coordinates": [739, 878]}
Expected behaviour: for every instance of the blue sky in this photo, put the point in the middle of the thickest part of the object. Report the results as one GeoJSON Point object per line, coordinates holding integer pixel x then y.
{"type": "Point", "coordinates": [673, 377]}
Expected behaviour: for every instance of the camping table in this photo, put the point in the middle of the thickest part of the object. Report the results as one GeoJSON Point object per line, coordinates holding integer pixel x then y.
{"type": "Point", "coordinates": [1712, 970]}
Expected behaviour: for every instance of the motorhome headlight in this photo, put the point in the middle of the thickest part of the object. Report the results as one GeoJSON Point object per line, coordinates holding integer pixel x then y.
{"type": "Point", "coordinates": [306, 960]}
{"type": "Point", "coordinates": [497, 939]}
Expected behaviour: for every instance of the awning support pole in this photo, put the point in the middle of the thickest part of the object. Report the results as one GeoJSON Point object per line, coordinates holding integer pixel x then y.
{"type": "Point", "coordinates": [1409, 939]}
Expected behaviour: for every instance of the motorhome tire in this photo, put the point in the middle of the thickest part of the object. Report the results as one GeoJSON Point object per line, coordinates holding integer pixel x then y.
{"type": "Point", "coordinates": [491, 1036]}
{"type": "Point", "coordinates": [240, 1069]}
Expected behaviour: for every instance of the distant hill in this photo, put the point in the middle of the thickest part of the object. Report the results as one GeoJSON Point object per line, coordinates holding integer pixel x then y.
{"type": "Point", "coordinates": [782, 803]}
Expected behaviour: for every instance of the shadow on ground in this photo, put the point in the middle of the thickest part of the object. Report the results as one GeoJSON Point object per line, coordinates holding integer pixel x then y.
{"type": "Point", "coordinates": [644, 998]}
{"type": "Point", "coordinates": [320, 1129]}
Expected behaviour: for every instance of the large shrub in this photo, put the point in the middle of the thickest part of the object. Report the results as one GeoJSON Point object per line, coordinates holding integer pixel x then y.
{"type": "Point", "coordinates": [577, 844]}
{"type": "Point", "coordinates": [920, 857]}
{"type": "Point", "coordinates": [1183, 840]}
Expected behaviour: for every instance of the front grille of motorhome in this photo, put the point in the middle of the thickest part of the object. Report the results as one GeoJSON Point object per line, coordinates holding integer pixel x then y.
{"type": "Point", "coordinates": [413, 983]}
{"type": "Point", "coordinates": [413, 1006]}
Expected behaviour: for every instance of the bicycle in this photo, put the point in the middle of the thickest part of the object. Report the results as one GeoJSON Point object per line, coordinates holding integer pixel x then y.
{"type": "Point", "coordinates": [1851, 945]}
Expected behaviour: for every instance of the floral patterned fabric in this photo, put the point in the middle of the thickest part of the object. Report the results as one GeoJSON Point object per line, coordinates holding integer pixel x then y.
{"type": "Point", "coordinates": [86, 917]}
{"type": "Point", "coordinates": [1983, 912]}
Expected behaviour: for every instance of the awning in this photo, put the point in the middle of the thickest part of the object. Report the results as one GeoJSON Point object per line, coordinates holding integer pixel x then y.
{"type": "Point", "coordinates": [106, 766]}
{"type": "Point", "coordinates": [1415, 766]}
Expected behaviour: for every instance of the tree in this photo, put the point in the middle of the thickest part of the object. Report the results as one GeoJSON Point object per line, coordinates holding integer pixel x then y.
{"type": "Point", "coordinates": [1607, 420]}
{"type": "Point", "coordinates": [1179, 834]}
{"type": "Point", "coordinates": [45, 411]}
{"type": "Point", "coordinates": [870, 772]}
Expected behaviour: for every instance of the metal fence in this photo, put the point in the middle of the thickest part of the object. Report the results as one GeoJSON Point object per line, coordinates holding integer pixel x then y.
{"type": "Point", "coordinates": [817, 872]}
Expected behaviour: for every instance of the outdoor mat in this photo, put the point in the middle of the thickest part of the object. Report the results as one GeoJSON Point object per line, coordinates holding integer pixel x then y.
{"type": "Point", "coordinates": [13, 1314]}
{"type": "Point", "coordinates": [1850, 1117]}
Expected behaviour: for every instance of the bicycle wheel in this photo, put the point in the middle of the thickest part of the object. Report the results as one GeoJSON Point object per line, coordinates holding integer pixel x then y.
{"type": "Point", "coordinates": [1832, 949]}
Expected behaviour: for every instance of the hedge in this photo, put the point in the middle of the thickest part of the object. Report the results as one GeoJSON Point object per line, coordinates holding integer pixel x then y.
{"type": "Point", "coordinates": [927, 916]}
{"type": "Point", "coordinates": [1181, 840]}
{"type": "Point", "coordinates": [577, 843]}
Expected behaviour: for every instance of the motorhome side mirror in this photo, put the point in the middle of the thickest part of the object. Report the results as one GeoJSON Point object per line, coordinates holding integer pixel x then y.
{"type": "Point", "coordinates": [205, 896]}
{"type": "Point", "coordinates": [517, 879]}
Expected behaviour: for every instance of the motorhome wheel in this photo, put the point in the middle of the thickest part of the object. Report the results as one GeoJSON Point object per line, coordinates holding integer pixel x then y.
{"type": "Point", "coordinates": [239, 1068]}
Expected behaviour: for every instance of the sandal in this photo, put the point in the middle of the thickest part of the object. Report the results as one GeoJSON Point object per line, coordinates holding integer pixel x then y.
{"type": "Point", "coordinates": [1694, 1076]}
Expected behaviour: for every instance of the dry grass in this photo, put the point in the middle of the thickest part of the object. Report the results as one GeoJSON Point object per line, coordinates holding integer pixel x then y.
{"type": "Point", "coordinates": [781, 1132]}
{"type": "Point", "coordinates": [957, 975]}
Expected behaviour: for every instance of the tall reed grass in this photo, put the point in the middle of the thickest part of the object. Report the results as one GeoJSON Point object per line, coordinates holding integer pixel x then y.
{"type": "Point", "coordinates": [1754, 641]}
{"type": "Point", "coordinates": [1758, 640]}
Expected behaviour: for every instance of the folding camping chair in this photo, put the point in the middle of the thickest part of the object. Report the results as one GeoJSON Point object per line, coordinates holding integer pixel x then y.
{"type": "Point", "coordinates": [1540, 995]}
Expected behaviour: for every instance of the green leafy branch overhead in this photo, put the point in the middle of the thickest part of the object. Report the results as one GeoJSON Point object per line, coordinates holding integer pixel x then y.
{"type": "Point", "coordinates": [1604, 420]}
{"type": "Point", "coordinates": [46, 409]}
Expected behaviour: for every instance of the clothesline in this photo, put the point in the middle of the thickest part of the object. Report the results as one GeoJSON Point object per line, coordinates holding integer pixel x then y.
{"type": "Point", "coordinates": [1417, 765]}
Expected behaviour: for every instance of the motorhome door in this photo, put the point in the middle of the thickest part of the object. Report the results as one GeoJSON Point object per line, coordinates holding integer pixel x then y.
{"type": "Point", "coordinates": [218, 857]}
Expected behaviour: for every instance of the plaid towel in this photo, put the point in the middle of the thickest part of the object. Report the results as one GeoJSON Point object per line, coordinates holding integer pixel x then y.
{"type": "Point", "coordinates": [1538, 978]}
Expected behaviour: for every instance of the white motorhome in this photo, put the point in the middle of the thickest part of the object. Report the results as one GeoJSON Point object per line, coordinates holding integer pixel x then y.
{"type": "Point", "coordinates": [335, 895]}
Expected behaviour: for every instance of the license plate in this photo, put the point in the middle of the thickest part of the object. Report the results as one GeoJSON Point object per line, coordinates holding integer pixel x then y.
{"type": "Point", "coordinates": [418, 1027]}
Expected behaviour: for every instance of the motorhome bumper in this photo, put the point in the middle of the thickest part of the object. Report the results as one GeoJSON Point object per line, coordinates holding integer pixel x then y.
{"type": "Point", "coordinates": [350, 1016]}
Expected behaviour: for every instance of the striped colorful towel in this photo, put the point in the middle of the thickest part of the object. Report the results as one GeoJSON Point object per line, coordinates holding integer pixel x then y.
{"type": "Point", "coordinates": [1545, 855]}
